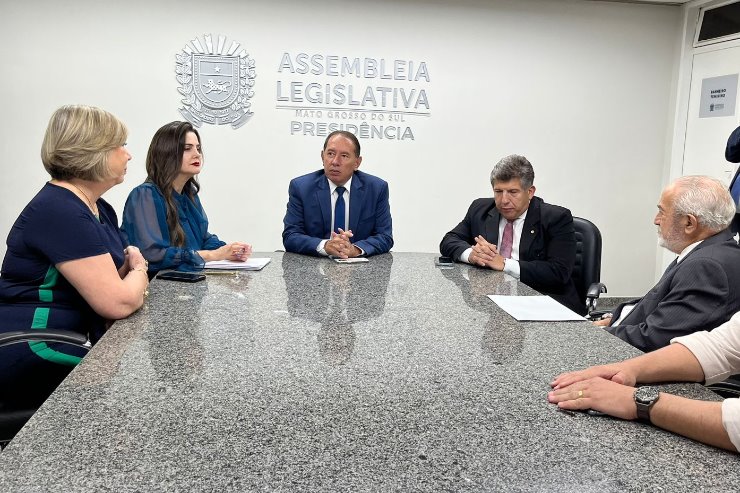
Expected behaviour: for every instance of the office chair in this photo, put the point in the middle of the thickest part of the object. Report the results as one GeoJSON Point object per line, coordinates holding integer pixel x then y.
{"type": "Point", "coordinates": [587, 269]}
{"type": "Point", "coordinates": [12, 419]}
{"type": "Point", "coordinates": [727, 389]}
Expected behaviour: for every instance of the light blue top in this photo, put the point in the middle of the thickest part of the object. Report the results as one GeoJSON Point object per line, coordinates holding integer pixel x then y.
{"type": "Point", "coordinates": [145, 225]}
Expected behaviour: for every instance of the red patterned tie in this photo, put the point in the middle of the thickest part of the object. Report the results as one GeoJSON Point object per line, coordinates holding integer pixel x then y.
{"type": "Point", "coordinates": [508, 240]}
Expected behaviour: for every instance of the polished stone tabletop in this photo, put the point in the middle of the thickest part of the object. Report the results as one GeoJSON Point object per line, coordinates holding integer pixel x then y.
{"type": "Point", "coordinates": [393, 375]}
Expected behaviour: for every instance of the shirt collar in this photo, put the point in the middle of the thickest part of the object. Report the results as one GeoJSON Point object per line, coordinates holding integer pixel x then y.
{"type": "Point", "coordinates": [516, 221]}
{"type": "Point", "coordinates": [687, 250]}
{"type": "Point", "coordinates": [333, 187]}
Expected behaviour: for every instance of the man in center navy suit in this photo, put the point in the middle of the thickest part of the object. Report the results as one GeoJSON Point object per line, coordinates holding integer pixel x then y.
{"type": "Point", "coordinates": [541, 249]}
{"type": "Point", "coordinates": [338, 211]}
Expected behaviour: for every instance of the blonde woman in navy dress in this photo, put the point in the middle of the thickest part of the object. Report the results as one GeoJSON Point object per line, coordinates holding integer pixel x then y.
{"type": "Point", "coordinates": [66, 265]}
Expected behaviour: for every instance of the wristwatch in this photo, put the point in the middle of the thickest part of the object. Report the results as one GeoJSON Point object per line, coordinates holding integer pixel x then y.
{"type": "Point", "coordinates": [645, 398]}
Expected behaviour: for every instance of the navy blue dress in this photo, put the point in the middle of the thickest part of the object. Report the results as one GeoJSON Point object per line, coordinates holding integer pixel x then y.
{"type": "Point", "coordinates": [56, 226]}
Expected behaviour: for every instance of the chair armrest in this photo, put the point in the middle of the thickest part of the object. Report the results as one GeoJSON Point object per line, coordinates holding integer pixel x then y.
{"type": "Point", "coordinates": [66, 336]}
{"type": "Point", "coordinates": [597, 314]}
{"type": "Point", "coordinates": [592, 295]}
{"type": "Point", "coordinates": [595, 290]}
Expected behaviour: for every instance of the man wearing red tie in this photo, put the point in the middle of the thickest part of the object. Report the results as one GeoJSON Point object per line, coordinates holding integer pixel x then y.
{"type": "Point", "coordinates": [519, 234]}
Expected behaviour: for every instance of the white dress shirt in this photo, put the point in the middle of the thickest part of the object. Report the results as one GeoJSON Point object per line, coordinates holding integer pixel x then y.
{"type": "Point", "coordinates": [334, 196]}
{"type": "Point", "coordinates": [718, 353]}
{"type": "Point", "coordinates": [511, 265]}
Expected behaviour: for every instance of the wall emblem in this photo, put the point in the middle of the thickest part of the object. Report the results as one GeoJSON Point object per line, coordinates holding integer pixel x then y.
{"type": "Point", "coordinates": [216, 82]}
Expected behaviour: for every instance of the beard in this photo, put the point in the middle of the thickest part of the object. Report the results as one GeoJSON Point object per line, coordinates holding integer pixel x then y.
{"type": "Point", "coordinates": [672, 241]}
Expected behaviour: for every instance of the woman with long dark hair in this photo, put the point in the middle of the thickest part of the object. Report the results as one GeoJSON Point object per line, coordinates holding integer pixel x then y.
{"type": "Point", "coordinates": [164, 217]}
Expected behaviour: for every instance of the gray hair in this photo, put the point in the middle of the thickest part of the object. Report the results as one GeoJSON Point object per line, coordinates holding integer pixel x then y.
{"type": "Point", "coordinates": [705, 198]}
{"type": "Point", "coordinates": [512, 167]}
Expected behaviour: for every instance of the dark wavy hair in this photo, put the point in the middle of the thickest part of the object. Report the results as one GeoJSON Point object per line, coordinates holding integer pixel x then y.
{"type": "Point", "coordinates": [163, 164]}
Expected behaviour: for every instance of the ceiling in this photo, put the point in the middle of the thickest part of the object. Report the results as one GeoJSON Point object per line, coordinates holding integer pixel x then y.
{"type": "Point", "coordinates": [655, 2]}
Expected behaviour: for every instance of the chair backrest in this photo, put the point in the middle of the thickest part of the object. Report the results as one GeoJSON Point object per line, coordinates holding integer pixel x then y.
{"type": "Point", "coordinates": [12, 414]}
{"type": "Point", "coordinates": [587, 269]}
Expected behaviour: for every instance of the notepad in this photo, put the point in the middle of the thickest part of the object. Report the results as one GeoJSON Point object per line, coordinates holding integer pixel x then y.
{"type": "Point", "coordinates": [250, 264]}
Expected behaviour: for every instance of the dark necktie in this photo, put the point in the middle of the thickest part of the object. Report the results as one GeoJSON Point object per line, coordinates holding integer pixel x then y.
{"type": "Point", "coordinates": [339, 210]}
{"type": "Point", "coordinates": [507, 241]}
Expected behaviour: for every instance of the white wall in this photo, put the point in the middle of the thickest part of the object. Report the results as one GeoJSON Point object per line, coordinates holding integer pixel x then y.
{"type": "Point", "coordinates": [710, 159]}
{"type": "Point", "coordinates": [584, 89]}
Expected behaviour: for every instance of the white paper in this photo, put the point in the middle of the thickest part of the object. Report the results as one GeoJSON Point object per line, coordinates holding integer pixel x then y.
{"type": "Point", "coordinates": [535, 308]}
{"type": "Point", "coordinates": [250, 264]}
{"type": "Point", "coordinates": [352, 260]}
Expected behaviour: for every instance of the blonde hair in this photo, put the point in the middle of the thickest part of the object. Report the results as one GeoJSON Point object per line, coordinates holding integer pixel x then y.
{"type": "Point", "coordinates": [78, 140]}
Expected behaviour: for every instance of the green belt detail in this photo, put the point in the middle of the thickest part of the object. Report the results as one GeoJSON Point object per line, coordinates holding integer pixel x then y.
{"type": "Point", "coordinates": [43, 351]}
{"type": "Point", "coordinates": [40, 318]}
{"type": "Point", "coordinates": [45, 292]}
{"type": "Point", "coordinates": [41, 321]}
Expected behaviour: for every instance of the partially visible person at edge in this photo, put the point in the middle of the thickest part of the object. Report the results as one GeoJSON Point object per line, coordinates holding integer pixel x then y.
{"type": "Point", "coordinates": [66, 265]}
{"type": "Point", "coordinates": [732, 154]}
{"type": "Point", "coordinates": [708, 357]}
{"type": "Point", "coordinates": [164, 217]}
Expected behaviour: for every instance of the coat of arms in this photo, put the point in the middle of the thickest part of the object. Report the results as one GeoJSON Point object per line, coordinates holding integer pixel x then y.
{"type": "Point", "coordinates": [216, 82]}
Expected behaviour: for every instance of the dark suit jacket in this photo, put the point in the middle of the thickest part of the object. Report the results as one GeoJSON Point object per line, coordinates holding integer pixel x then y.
{"type": "Point", "coordinates": [732, 154]}
{"type": "Point", "coordinates": [547, 248]}
{"type": "Point", "coordinates": [735, 225]}
{"type": "Point", "coordinates": [700, 293]}
{"type": "Point", "coordinates": [308, 218]}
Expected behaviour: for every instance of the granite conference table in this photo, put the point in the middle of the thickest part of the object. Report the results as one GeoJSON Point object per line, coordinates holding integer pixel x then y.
{"type": "Point", "coordinates": [316, 376]}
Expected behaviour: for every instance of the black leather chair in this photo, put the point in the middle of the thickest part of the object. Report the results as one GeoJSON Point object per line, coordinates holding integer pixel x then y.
{"type": "Point", "coordinates": [727, 389]}
{"type": "Point", "coordinates": [587, 269]}
{"type": "Point", "coordinates": [12, 419]}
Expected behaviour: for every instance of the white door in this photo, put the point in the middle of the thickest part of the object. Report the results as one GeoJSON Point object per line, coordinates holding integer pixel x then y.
{"type": "Point", "coordinates": [704, 148]}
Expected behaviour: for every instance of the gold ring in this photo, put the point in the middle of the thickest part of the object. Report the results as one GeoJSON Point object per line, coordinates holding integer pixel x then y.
{"type": "Point", "coordinates": [580, 394]}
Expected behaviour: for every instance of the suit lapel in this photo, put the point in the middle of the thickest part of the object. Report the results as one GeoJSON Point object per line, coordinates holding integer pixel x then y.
{"type": "Point", "coordinates": [490, 227]}
{"type": "Point", "coordinates": [356, 202]}
{"type": "Point", "coordinates": [529, 230]}
{"type": "Point", "coordinates": [323, 198]}
{"type": "Point", "coordinates": [668, 274]}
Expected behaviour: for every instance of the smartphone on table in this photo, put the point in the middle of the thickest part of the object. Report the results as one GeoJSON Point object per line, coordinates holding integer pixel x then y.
{"type": "Point", "coordinates": [181, 276]}
{"type": "Point", "coordinates": [444, 262]}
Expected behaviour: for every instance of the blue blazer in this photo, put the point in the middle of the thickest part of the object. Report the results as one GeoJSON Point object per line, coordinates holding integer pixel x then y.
{"type": "Point", "coordinates": [308, 218]}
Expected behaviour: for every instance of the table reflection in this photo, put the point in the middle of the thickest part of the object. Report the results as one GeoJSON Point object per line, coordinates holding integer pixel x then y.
{"type": "Point", "coordinates": [336, 296]}
{"type": "Point", "coordinates": [503, 336]}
